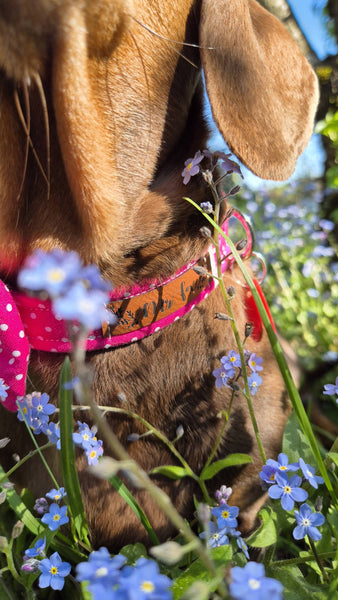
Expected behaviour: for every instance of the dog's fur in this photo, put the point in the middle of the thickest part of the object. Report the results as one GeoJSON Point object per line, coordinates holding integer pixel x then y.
{"type": "Point", "coordinates": [123, 98]}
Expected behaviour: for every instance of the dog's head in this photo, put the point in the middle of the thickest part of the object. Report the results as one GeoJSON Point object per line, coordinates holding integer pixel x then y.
{"type": "Point", "coordinates": [101, 103]}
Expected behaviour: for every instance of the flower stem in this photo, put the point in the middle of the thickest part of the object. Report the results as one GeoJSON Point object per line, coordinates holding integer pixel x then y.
{"type": "Point", "coordinates": [315, 553]}
{"type": "Point", "coordinates": [234, 326]}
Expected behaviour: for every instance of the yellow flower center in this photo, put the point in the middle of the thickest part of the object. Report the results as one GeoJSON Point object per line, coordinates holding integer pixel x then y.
{"type": "Point", "coordinates": [225, 514]}
{"type": "Point", "coordinates": [287, 489]}
{"type": "Point", "coordinates": [56, 517]}
{"type": "Point", "coordinates": [282, 468]}
{"type": "Point", "coordinates": [189, 166]}
{"type": "Point", "coordinates": [147, 587]}
{"type": "Point", "coordinates": [56, 275]}
{"type": "Point", "coordinates": [53, 570]}
{"type": "Point", "coordinates": [93, 454]}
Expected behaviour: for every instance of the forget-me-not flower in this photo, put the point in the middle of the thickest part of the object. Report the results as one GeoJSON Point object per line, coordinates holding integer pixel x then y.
{"type": "Point", "coordinates": [225, 515]}
{"type": "Point", "coordinates": [309, 474]}
{"type": "Point", "coordinates": [307, 523]}
{"type": "Point", "coordinates": [288, 491]}
{"type": "Point", "coordinates": [250, 582]}
{"type": "Point", "coordinates": [53, 572]}
{"type": "Point", "coordinates": [55, 517]}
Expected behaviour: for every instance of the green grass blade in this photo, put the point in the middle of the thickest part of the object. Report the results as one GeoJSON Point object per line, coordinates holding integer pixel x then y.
{"type": "Point", "coordinates": [122, 489]}
{"type": "Point", "coordinates": [278, 352]}
{"type": "Point", "coordinates": [69, 473]}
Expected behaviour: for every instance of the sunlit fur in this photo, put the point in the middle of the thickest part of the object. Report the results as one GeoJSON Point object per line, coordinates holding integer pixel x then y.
{"type": "Point", "coordinates": [100, 105]}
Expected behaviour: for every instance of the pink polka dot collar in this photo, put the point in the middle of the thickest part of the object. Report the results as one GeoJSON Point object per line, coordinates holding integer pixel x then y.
{"type": "Point", "coordinates": [27, 322]}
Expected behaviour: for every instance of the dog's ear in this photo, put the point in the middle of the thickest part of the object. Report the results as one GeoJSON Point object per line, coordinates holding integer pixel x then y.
{"type": "Point", "coordinates": [263, 92]}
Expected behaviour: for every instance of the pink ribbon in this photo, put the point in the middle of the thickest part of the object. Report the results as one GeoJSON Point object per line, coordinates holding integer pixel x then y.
{"type": "Point", "coordinates": [14, 349]}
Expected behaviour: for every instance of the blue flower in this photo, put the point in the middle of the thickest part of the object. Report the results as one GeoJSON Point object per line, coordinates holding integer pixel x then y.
{"type": "Point", "coordinates": [288, 491]}
{"type": "Point", "coordinates": [282, 464]}
{"type": "Point", "coordinates": [191, 167]}
{"type": "Point", "coordinates": [55, 517]}
{"type": "Point", "coordinates": [51, 272]}
{"type": "Point", "coordinates": [93, 279]}
{"type": "Point", "coordinates": [307, 523]}
{"type": "Point", "coordinates": [56, 494]}
{"type": "Point", "coordinates": [52, 431]}
{"type": "Point", "coordinates": [227, 164]}
{"type": "Point", "coordinates": [37, 550]}
{"type": "Point", "coordinates": [225, 515]}
{"type": "Point", "coordinates": [83, 305]}
{"type": "Point", "coordinates": [240, 542]}
{"type": "Point", "coordinates": [53, 572]}
{"type": "Point", "coordinates": [144, 581]}
{"type": "Point", "coordinates": [268, 474]}
{"type": "Point", "coordinates": [222, 377]}
{"type": "Point", "coordinates": [250, 582]}
{"type": "Point", "coordinates": [254, 382]}
{"type": "Point", "coordinates": [101, 571]}
{"type": "Point", "coordinates": [3, 388]}
{"type": "Point", "coordinates": [94, 453]}
{"type": "Point", "coordinates": [86, 437]}
{"type": "Point", "coordinates": [309, 474]}
{"type": "Point", "coordinates": [35, 426]}
{"type": "Point", "coordinates": [230, 361]}
{"type": "Point", "coordinates": [331, 388]}
{"type": "Point", "coordinates": [215, 537]}
{"type": "Point", "coordinates": [25, 411]}
{"type": "Point", "coordinates": [255, 362]}
{"type": "Point", "coordinates": [41, 409]}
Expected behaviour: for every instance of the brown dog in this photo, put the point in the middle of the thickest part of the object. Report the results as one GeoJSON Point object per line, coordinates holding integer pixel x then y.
{"type": "Point", "coordinates": [111, 101]}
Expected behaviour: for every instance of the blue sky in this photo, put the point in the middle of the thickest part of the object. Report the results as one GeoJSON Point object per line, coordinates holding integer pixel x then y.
{"type": "Point", "coordinates": [308, 14]}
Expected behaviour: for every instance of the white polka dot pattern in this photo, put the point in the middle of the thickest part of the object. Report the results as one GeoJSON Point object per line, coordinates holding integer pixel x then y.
{"type": "Point", "coordinates": [15, 349]}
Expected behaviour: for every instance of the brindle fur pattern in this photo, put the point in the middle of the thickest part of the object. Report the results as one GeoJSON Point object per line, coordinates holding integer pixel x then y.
{"type": "Point", "coordinates": [111, 101]}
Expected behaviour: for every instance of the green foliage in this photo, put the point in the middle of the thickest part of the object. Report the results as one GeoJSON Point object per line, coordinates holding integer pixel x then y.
{"type": "Point", "coordinates": [301, 285]}
{"type": "Point", "coordinates": [229, 461]}
{"type": "Point", "coordinates": [69, 473]}
{"type": "Point", "coordinates": [329, 127]}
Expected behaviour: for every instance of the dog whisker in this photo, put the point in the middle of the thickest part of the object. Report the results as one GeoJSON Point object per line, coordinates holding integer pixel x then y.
{"type": "Point", "coordinates": [39, 86]}
{"type": "Point", "coordinates": [18, 107]}
{"type": "Point", "coordinates": [26, 127]}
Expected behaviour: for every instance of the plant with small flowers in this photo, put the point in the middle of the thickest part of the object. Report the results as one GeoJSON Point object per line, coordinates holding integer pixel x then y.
{"type": "Point", "coordinates": [214, 564]}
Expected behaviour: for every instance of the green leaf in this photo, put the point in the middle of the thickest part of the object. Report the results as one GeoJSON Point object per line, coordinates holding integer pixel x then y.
{"type": "Point", "coordinates": [122, 489]}
{"type": "Point", "coordinates": [22, 512]}
{"type": "Point", "coordinates": [295, 443]}
{"type": "Point", "coordinates": [295, 585]}
{"type": "Point", "coordinates": [334, 457]}
{"type": "Point", "coordinates": [266, 534]}
{"type": "Point", "coordinates": [170, 471]}
{"type": "Point", "coordinates": [229, 461]}
{"type": "Point", "coordinates": [37, 528]}
{"type": "Point", "coordinates": [133, 552]}
{"type": "Point", "coordinates": [198, 572]}
{"type": "Point", "coordinates": [69, 473]}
